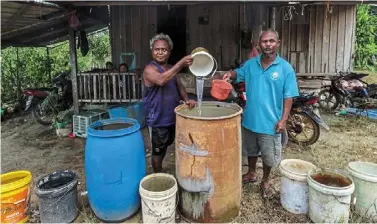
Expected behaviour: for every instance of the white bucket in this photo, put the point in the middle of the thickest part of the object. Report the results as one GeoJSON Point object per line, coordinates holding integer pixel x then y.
{"type": "Point", "coordinates": [329, 196]}
{"type": "Point", "coordinates": [364, 175]}
{"type": "Point", "coordinates": [158, 198]}
{"type": "Point", "coordinates": [294, 186]}
{"type": "Point", "coordinates": [203, 64]}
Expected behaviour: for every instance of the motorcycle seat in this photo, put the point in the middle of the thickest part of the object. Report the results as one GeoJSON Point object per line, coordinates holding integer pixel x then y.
{"type": "Point", "coordinates": [40, 89]}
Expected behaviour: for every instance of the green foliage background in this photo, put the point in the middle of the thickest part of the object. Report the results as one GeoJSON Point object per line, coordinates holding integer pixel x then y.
{"type": "Point", "coordinates": [34, 63]}
{"type": "Point", "coordinates": [366, 37]}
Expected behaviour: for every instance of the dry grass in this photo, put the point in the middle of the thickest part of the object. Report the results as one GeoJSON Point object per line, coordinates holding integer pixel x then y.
{"type": "Point", "coordinates": [371, 78]}
{"type": "Point", "coordinates": [349, 139]}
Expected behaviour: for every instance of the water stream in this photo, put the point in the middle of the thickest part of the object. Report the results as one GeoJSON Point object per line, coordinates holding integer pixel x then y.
{"type": "Point", "coordinates": [199, 93]}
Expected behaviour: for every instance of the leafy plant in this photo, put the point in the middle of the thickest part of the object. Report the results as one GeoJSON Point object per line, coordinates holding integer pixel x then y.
{"type": "Point", "coordinates": [366, 36]}
{"type": "Point", "coordinates": [34, 67]}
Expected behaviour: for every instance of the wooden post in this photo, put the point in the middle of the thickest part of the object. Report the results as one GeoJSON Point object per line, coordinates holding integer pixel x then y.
{"type": "Point", "coordinates": [273, 18]}
{"type": "Point", "coordinates": [72, 47]}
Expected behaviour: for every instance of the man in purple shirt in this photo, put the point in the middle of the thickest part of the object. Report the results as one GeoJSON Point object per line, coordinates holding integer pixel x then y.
{"type": "Point", "coordinates": [162, 93]}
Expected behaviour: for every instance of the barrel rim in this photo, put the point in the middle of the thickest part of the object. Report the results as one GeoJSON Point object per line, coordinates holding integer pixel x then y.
{"type": "Point", "coordinates": [362, 175]}
{"type": "Point", "coordinates": [179, 108]}
{"type": "Point", "coordinates": [125, 105]}
{"type": "Point", "coordinates": [295, 175]}
{"type": "Point", "coordinates": [24, 181]}
{"type": "Point", "coordinates": [327, 189]}
{"type": "Point", "coordinates": [172, 190]}
{"type": "Point", "coordinates": [113, 133]}
{"type": "Point", "coordinates": [57, 190]}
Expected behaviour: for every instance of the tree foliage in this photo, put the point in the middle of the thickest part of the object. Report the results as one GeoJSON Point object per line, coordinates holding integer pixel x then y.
{"type": "Point", "coordinates": [366, 36]}
{"type": "Point", "coordinates": [35, 67]}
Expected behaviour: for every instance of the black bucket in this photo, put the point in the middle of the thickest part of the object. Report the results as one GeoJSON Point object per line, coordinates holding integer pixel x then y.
{"type": "Point", "coordinates": [57, 194]}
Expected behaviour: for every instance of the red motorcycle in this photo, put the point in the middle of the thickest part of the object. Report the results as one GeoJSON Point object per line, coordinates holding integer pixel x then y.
{"type": "Point", "coordinates": [48, 101]}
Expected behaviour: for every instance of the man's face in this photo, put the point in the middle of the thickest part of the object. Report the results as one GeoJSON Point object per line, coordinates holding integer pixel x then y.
{"type": "Point", "coordinates": [161, 51]}
{"type": "Point", "coordinates": [269, 43]}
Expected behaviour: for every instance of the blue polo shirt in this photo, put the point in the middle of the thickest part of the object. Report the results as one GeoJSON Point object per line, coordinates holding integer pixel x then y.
{"type": "Point", "coordinates": [265, 92]}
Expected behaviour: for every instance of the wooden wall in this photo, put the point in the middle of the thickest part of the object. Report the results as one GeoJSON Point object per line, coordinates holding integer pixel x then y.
{"type": "Point", "coordinates": [325, 44]}
{"type": "Point", "coordinates": [322, 44]}
{"type": "Point", "coordinates": [131, 29]}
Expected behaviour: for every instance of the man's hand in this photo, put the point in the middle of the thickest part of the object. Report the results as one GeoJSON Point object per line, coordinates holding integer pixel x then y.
{"type": "Point", "coordinates": [280, 126]}
{"type": "Point", "coordinates": [191, 103]}
{"type": "Point", "coordinates": [227, 76]}
{"type": "Point", "coordinates": [186, 61]}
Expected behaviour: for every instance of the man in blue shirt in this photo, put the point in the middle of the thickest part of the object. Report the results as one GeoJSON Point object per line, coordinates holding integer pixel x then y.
{"type": "Point", "coordinates": [270, 86]}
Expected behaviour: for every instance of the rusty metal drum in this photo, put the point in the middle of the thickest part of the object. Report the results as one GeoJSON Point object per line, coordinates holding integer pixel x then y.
{"type": "Point", "coordinates": [208, 161]}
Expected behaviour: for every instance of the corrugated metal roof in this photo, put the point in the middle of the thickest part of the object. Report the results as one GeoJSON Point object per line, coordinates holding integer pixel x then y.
{"type": "Point", "coordinates": [31, 23]}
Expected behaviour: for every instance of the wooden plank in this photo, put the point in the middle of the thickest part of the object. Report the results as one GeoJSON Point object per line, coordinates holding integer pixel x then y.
{"type": "Point", "coordinates": [302, 62]}
{"type": "Point", "coordinates": [348, 38]}
{"type": "Point", "coordinates": [133, 88]}
{"type": "Point", "coordinates": [318, 39]}
{"type": "Point", "coordinates": [333, 39]}
{"type": "Point", "coordinates": [312, 33]}
{"type": "Point", "coordinates": [73, 57]}
{"type": "Point", "coordinates": [124, 86]}
{"type": "Point", "coordinates": [95, 77]}
{"type": "Point", "coordinates": [353, 36]}
{"type": "Point", "coordinates": [85, 82]}
{"type": "Point", "coordinates": [293, 60]}
{"type": "Point", "coordinates": [340, 39]}
{"type": "Point", "coordinates": [325, 40]}
{"type": "Point", "coordinates": [114, 87]}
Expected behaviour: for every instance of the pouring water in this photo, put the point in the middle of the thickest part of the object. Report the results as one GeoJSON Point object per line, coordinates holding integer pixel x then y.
{"type": "Point", "coordinates": [204, 66]}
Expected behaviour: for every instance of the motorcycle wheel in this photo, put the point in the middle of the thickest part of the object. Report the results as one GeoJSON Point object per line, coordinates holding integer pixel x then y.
{"type": "Point", "coordinates": [302, 122]}
{"type": "Point", "coordinates": [327, 100]}
{"type": "Point", "coordinates": [38, 114]}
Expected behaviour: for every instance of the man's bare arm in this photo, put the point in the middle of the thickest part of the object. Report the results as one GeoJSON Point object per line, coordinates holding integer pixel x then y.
{"type": "Point", "coordinates": [287, 108]}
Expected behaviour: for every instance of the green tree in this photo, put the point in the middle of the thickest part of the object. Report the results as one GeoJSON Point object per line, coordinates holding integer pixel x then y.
{"type": "Point", "coordinates": [34, 65]}
{"type": "Point", "coordinates": [366, 36]}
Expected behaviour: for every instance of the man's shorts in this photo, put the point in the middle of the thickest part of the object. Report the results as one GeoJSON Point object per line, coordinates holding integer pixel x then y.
{"type": "Point", "coordinates": [269, 146]}
{"type": "Point", "coordinates": [161, 138]}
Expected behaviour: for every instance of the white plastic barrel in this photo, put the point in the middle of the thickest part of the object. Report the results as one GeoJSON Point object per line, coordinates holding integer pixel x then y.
{"type": "Point", "coordinates": [158, 198]}
{"type": "Point", "coordinates": [329, 196]}
{"type": "Point", "coordinates": [364, 175]}
{"type": "Point", "coordinates": [294, 186]}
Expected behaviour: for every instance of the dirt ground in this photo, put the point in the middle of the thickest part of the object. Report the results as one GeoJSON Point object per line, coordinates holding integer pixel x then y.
{"type": "Point", "coordinates": [28, 145]}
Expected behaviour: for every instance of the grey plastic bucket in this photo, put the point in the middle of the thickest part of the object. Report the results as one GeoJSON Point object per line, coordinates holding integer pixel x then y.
{"type": "Point", "coordinates": [57, 196]}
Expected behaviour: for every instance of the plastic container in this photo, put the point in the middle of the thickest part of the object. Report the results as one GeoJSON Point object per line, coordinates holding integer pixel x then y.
{"type": "Point", "coordinates": [158, 198]}
{"type": "Point", "coordinates": [114, 166]}
{"type": "Point", "coordinates": [133, 110]}
{"type": "Point", "coordinates": [329, 195]}
{"type": "Point", "coordinates": [15, 195]}
{"type": "Point", "coordinates": [203, 64]}
{"type": "Point", "coordinates": [294, 186]}
{"type": "Point", "coordinates": [57, 197]}
{"type": "Point", "coordinates": [364, 174]}
{"type": "Point", "coordinates": [220, 89]}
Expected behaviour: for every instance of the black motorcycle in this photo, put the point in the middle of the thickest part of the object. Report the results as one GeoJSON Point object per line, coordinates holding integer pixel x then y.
{"type": "Point", "coordinates": [335, 95]}
{"type": "Point", "coordinates": [47, 102]}
{"type": "Point", "coordinates": [304, 121]}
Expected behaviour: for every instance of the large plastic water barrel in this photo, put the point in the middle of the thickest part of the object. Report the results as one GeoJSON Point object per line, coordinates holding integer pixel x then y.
{"type": "Point", "coordinates": [208, 161]}
{"type": "Point", "coordinates": [114, 166]}
{"type": "Point", "coordinates": [133, 110]}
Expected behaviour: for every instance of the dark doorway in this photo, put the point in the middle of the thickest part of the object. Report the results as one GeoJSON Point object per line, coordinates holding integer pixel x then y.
{"type": "Point", "coordinates": [172, 21]}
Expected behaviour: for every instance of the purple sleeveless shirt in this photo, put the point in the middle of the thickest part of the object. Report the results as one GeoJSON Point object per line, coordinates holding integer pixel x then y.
{"type": "Point", "coordinates": [160, 102]}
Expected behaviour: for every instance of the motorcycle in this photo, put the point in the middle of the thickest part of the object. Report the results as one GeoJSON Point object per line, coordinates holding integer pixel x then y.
{"type": "Point", "coordinates": [344, 89]}
{"type": "Point", "coordinates": [46, 102]}
{"type": "Point", "coordinates": [304, 120]}
{"type": "Point", "coordinates": [304, 115]}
